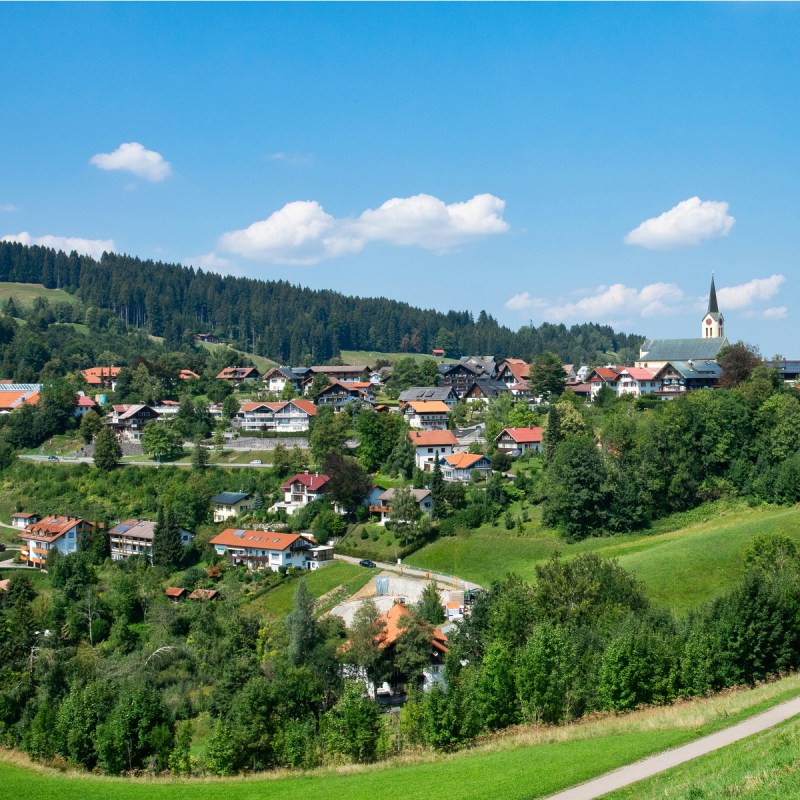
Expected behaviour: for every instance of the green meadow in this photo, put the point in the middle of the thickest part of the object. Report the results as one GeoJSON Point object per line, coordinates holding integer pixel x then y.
{"type": "Point", "coordinates": [25, 293]}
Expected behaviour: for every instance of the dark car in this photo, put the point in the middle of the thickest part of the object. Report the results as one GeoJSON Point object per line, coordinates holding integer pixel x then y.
{"type": "Point", "coordinates": [52, 458]}
{"type": "Point", "coordinates": [367, 563]}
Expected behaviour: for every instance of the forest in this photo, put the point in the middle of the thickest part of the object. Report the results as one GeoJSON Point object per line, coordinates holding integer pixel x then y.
{"type": "Point", "coordinates": [288, 323]}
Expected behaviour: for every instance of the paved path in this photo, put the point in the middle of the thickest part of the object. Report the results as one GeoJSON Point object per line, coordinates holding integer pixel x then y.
{"type": "Point", "coordinates": [625, 776]}
{"type": "Point", "coordinates": [459, 583]}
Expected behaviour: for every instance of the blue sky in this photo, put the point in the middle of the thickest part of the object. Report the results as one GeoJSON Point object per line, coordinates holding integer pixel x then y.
{"type": "Point", "coordinates": [562, 162]}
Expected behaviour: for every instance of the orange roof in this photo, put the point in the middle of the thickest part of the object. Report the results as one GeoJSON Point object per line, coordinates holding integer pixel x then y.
{"type": "Point", "coordinates": [429, 407]}
{"type": "Point", "coordinates": [174, 591]}
{"type": "Point", "coordinates": [463, 460]}
{"type": "Point", "coordinates": [50, 528]}
{"type": "Point", "coordinates": [392, 630]}
{"type": "Point", "coordinates": [433, 438]}
{"type": "Point", "coordinates": [15, 399]}
{"type": "Point", "coordinates": [4, 585]}
{"type": "Point", "coordinates": [259, 540]}
{"type": "Point", "coordinates": [237, 373]}
{"type": "Point", "coordinates": [203, 594]}
{"type": "Point", "coordinates": [187, 374]}
{"type": "Point", "coordinates": [518, 368]}
{"type": "Point", "coordinates": [95, 375]}
{"type": "Point", "coordinates": [305, 405]}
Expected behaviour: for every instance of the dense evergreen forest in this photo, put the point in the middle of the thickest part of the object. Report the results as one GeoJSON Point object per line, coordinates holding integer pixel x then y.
{"type": "Point", "coordinates": [288, 323]}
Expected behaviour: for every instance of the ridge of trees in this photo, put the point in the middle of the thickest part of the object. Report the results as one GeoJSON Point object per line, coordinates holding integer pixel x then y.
{"type": "Point", "coordinates": [286, 322]}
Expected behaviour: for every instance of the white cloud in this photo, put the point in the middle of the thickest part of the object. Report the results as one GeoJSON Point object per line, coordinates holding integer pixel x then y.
{"type": "Point", "coordinates": [302, 232]}
{"type": "Point", "coordinates": [134, 157]}
{"type": "Point", "coordinates": [745, 294]}
{"type": "Point", "coordinates": [778, 312]}
{"type": "Point", "coordinates": [89, 247]}
{"type": "Point", "coordinates": [687, 224]}
{"type": "Point", "coordinates": [208, 261]}
{"type": "Point", "coordinates": [8, 207]}
{"type": "Point", "coordinates": [523, 301]}
{"type": "Point", "coordinates": [300, 159]}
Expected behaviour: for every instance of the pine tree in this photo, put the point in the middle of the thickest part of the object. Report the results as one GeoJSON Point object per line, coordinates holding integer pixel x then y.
{"type": "Point", "coordinates": [199, 454]}
{"type": "Point", "coordinates": [302, 626]}
{"type": "Point", "coordinates": [437, 488]}
{"type": "Point", "coordinates": [552, 432]}
{"type": "Point", "coordinates": [167, 545]}
{"type": "Point", "coordinates": [107, 450]}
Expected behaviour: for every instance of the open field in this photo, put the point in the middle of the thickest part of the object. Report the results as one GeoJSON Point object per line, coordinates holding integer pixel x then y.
{"type": "Point", "coordinates": [25, 293]}
{"type": "Point", "coordinates": [341, 576]}
{"type": "Point", "coordinates": [763, 767]}
{"type": "Point", "coordinates": [263, 364]}
{"type": "Point", "coordinates": [680, 568]}
{"type": "Point", "coordinates": [369, 357]}
{"type": "Point", "coordinates": [529, 763]}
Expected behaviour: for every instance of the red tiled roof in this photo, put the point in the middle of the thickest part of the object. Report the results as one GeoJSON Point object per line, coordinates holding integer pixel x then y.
{"type": "Point", "coordinates": [15, 399]}
{"type": "Point", "coordinates": [429, 406]}
{"type": "Point", "coordinates": [50, 528]}
{"type": "Point", "coordinates": [463, 460]}
{"type": "Point", "coordinates": [432, 438]}
{"type": "Point", "coordinates": [523, 435]}
{"type": "Point", "coordinates": [187, 374]}
{"type": "Point", "coordinates": [85, 402]}
{"type": "Point", "coordinates": [392, 630]}
{"type": "Point", "coordinates": [518, 368]}
{"type": "Point", "coordinates": [259, 540]}
{"type": "Point", "coordinates": [230, 373]}
{"type": "Point", "coordinates": [638, 373]}
{"type": "Point", "coordinates": [203, 594]}
{"type": "Point", "coordinates": [313, 482]}
{"type": "Point", "coordinates": [174, 591]}
{"type": "Point", "coordinates": [95, 376]}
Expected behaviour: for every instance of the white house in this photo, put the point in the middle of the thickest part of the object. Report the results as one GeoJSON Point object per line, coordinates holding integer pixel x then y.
{"type": "Point", "coordinates": [462, 466]}
{"type": "Point", "coordinates": [383, 503]}
{"type": "Point", "coordinates": [263, 549]}
{"type": "Point", "coordinates": [51, 533]}
{"type": "Point", "coordinates": [430, 415]}
{"type": "Point", "coordinates": [289, 416]}
{"type": "Point", "coordinates": [230, 504]}
{"type": "Point", "coordinates": [21, 520]}
{"type": "Point", "coordinates": [300, 490]}
{"type": "Point", "coordinates": [276, 379]}
{"type": "Point", "coordinates": [636, 381]}
{"type": "Point", "coordinates": [519, 440]}
{"type": "Point", "coordinates": [428, 443]}
{"type": "Point", "coordinates": [135, 537]}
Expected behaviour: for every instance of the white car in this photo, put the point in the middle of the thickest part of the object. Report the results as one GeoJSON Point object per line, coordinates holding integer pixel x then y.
{"type": "Point", "coordinates": [257, 462]}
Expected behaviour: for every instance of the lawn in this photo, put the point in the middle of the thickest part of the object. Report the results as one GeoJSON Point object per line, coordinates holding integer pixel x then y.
{"type": "Point", "coordinates": [531, 763]}
{"type": "Point", "coordinates": [25, 293]}
{"type": "Point", "coordinates": [261, 363]}
{"type": "Point", "coordinates": [369, 357]}
{"type": "Point", "coordinates": [680, 568]}
{"type": "Point", "coordinates": [349, 578]}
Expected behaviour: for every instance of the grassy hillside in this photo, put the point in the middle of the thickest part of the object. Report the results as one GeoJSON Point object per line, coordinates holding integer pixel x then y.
{"type": "Point", "coordinates": [25, 293]}
{"type": "Point", "coordinates": [369, 357]}
{"type": "Point", "coordinates": [687, 560]}
{"type": "Point", "coordinates": [263, 364]}
{"type": "Point", "coordinates": [531, 763]}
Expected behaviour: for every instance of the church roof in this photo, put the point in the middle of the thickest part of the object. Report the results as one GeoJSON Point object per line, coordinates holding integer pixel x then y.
{"type": "Point", "coordinates": [682, 349]}
{"type": "Point", "coordinates": [713, 308]}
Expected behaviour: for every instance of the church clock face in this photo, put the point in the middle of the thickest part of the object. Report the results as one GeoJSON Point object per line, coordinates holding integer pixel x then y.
{"type": "Point", "coordinates": [708, 322]}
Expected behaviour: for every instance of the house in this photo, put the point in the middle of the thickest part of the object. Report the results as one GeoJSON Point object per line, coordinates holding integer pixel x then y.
{"type": "Point", "coordinates": [290, 416]}
{"type": "Point", "coordinates": [635, 381]}
{"type": "Point", "coordinates": [392, 625]}
{"type": "Point", "coordinates": [300, 490]}
{"type": "Point", "coordinates": [21, 520]}
{"type": "Point", "coordinates": [581, 389]}
{"type": "Point", "coordinates": [188, 375]}
{"type": "Point", "coordinates": [230, 504]}
{"type": "Point", "coordinates": [263, 549]}
{"type": "Point", "coordinates": [51, 533]}
{"type": "Point", "coordinates": [383, 503]}
{"type": "Point", "coordinates": [346, 373]}
{"type": "Point", "coordinates": [603, 376]}
{"type": "Point", "coordinates": [128, 420]}
{"type": "Point", "coordinates": [338, 394]}
{"type": "Point", "coordinates": [134, 537]}
{"type": "Point", "coordinates": [522, 391]}
{"type": "Point", "coordinates": [461, 375]}
{"type": "Point", "coordinates": [677, 377]}
{"type": "Point", "coordinates": [430, 415]}
{"type": "Point", "coordinates": [174, 593]}
{"type": "Point", "coordinates": [101, 377]}
{"type": "Point", "coordinates": [167, 408]}
{"type": "Point", "coordinates": [482, 391]}
{"type": "Point", "coordinates": [237, 375]}
{"type": "Point", "coordinates": [83, 405]}
{"type": "Point", "coordinates": [319, 556]}
{"type": "Point", "coordinates": [277, 378]}
{"type": "Point", "coordinates": [429, 444]}
{"type": "Point", "coordinates": [463, 466]}
{"type": "Point", "coordinates": [511, 371]}
{"type": "Point", "coordinates": [443, 394]}
{"type": "Point", "coordinates": [16, 395]}
{"type": "Point", "coordinates": [206, 338]}
{"type": "Point", "coordinates": [516, 441]}
{"type": "Point", "coordinates": [788, 369]}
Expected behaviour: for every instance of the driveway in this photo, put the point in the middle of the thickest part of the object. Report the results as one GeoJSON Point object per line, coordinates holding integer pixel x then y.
{"type": "Point", "coordinates": [449, 580]}
{"type": "Point", "coordinates": [647, 767]}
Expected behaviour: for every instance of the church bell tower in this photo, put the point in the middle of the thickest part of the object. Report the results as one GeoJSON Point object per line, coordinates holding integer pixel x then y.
{"type": "Point", "coordinates": [713, 322]}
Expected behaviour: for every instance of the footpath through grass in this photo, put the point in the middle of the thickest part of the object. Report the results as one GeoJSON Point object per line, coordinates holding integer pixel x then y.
{"type": "Point", "coordinates": [532, 763]}
{"type": "Point", "coordinates": [688, 559]}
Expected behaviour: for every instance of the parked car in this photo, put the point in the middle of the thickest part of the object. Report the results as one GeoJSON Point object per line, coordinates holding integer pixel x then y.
{"type": "Point", "coordinates": [52, 458]}
{"type": "Point", "coordinates": [365, 562]}
{"type": "Point", "coordinates": [256, 462]}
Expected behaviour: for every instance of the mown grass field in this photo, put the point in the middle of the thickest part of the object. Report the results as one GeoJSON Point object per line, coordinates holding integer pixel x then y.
{"type": "Point", "coordinates": [529, 763]}
{"type": "Point", "coordinates": [263, 364]}
{"type": "Point", "coordinates": [25, 293]}
{"type": "Point", "coordinates": [686, 560]}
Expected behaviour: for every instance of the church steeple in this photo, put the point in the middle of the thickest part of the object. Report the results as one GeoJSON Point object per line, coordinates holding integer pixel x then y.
{"type": "Point", "coordinates": [713, 321]}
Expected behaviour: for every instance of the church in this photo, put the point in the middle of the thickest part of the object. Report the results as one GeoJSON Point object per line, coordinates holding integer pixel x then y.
{"type": "Point", "coordinates": [657, 353]}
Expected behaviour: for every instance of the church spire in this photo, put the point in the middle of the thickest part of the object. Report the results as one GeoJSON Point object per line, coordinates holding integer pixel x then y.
{"type": "Point", "coordinates": [712, 298]}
